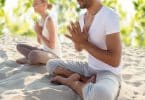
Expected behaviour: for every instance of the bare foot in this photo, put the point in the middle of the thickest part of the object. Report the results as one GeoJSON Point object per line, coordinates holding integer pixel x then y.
{"type": "Point", "coordinates": [66, 81]}
{"type": "Point", "coordinates": [73, 82]}
{"type": "Point", "coordinates": [63, 72]}
{"type": "Point", "coordinates": [21, 61]}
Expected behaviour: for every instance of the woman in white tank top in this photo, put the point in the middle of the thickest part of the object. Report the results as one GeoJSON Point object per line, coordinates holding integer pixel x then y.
{"type": "Point", "coordinates": [46, 37]}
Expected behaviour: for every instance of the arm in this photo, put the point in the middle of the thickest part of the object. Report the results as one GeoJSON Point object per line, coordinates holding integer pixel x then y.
{"type": "Point", "coordinates": [38, 39]}
{"type": "Point", "coordinates": [38, 30]}
{"type": "Point", "coordinates": [51, 39]}
{"type": "Point", "coordinates": [112, 55]}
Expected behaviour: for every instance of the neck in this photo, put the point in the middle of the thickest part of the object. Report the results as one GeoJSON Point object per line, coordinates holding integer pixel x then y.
{"type": "Point", "coordinates": [43, 15]}
{"type": "Point", "coordinates": [94, 8]}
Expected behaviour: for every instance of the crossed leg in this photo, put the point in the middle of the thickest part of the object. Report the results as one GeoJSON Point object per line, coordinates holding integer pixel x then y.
{"type": "Point", "coordinates": [73, 81]}
{"type": "Point", "coordinates": [24, 50]}
{"type": "Point", "coordinates": [69, 73]}
{"type": "Point", "coordinates": [60, 71]}
{"type": "Point", "coordinates": [39, 57]}
{"type": "Point", "coordinates": [33, 55]}
{"type": "Point", "coordinates": [106, 87]}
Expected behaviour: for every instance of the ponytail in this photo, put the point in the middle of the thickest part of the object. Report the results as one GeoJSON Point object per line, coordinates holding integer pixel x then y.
{"type": "Point", "coordinates": [49, 6]}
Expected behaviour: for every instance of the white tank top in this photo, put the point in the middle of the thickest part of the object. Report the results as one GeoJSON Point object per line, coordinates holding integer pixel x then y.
{"type": "Point", "coordinates": [57, 50]}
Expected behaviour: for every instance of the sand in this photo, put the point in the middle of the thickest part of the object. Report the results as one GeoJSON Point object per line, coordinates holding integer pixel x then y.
{"type": "Point", "coordinates": [25, 82]}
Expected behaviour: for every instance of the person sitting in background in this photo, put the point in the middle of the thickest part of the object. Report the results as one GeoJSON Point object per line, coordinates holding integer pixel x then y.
{"type": "Point", "coordinates": [46, 32]}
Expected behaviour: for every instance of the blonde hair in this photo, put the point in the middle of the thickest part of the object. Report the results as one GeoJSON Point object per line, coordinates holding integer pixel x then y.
{"type": "Point", "coordinates": [49, 6]}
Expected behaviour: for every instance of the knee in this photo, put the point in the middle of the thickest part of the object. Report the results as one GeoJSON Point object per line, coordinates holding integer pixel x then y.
{"type": "Point", "coordinates": [33, 57]}
{"type": "Point", "coordinates": [19, 46]}
{"type": "Point", "coordinates": [102, 93]}
{"type": "Point", "coordinates": [97, 92]}
{"type": "Point", "coordinates": [51, 65]}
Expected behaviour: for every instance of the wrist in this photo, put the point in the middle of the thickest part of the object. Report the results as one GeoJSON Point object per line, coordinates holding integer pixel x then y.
{"type": "Point", "coordinates": [84, 44]}
{"type": "Point", "coordinates": [78, 48]}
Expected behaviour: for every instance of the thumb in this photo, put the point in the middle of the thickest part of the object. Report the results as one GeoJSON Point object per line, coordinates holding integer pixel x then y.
{"type": "Point", "coordinates": [68, 36]}
{"type": "Point", "coordinates": [85, 32]}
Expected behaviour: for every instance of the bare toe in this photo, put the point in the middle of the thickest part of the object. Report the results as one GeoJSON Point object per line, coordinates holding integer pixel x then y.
{"type": "Point", "coordinates": [75, 77]}
{"type": "Point", "coordinates": [55, 79]}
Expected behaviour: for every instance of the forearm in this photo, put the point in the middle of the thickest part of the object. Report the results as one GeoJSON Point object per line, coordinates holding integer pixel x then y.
{"type": "Point", "coordinates": [38, 39]}
{"type": "Point", "coordinates": [105, 56]}
{"type": "Point", "coordinates": [46, 41]}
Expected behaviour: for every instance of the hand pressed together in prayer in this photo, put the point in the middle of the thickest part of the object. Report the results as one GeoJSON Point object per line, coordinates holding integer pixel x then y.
{"type": "Point", "coordinates": [77, 36]}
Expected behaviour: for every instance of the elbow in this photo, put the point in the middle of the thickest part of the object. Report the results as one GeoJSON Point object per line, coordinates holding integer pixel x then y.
{"type": "Point", "coordinates": [115, 63]}
{"type": "Point", "coordinates": [52, 45]}
{"type": "Point", "coordinates": [115, 60]}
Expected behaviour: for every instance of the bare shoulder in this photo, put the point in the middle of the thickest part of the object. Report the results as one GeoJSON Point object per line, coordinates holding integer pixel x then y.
{"type": "Point", "coordinates": [50, 22]}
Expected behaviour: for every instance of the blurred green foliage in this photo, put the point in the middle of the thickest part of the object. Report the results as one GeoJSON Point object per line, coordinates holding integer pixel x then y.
{"type": "Point", "coordinates": [20, 19]}
{"type": "Point", "coordinates": [139, 22]}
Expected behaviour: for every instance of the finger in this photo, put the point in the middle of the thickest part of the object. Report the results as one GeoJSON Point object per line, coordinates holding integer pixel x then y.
{"type": "Point", "coordinates": [78, 29]}
{"type": "Point", "coordinates": [73, 34]}
{"type": "Point", "coordinates": [85, 30]}
{"type": "Point", "coordinates": [74, 27]}
{"type": "Point", "coordinates": [68, 36]}
{"type": "Point", "coordinates": [70, 30]}
{"type": "Point", "coordinates": [78, 26]}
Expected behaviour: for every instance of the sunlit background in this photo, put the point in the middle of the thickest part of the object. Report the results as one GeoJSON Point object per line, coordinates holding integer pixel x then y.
{"type": "Point", "coordinates": [17, 17]}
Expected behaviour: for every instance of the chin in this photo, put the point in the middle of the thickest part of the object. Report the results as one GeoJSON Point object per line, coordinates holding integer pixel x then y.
{"type": "Point", "coordinates": [82, 6]}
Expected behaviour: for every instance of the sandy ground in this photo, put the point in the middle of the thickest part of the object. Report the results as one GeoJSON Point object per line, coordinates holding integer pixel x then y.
{"type": "Point", "coordinates": [25, 82]}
